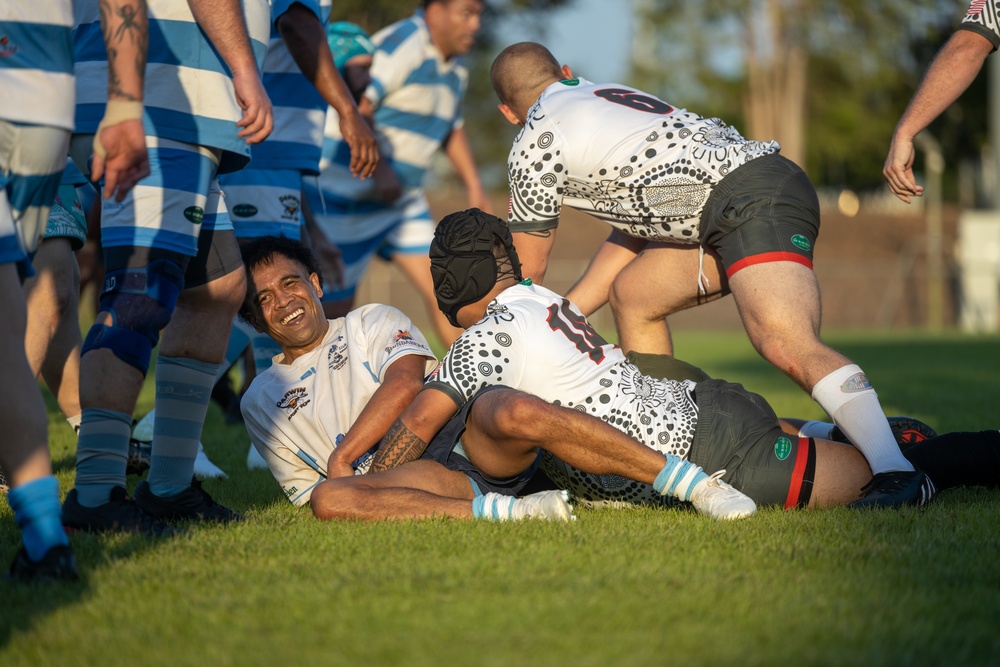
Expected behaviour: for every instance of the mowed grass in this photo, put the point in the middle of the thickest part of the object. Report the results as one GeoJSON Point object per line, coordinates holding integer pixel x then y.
{"type": "Point", "coordinates": [617, 587]}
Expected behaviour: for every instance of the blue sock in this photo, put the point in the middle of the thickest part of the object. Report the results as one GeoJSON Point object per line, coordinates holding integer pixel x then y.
{"type": "Point", "coordinates": [493, 507]}
{"type": "Point", "coordinates": [183, 391]}
{"type": "Point", "coordinates": [101, 454]}
{"type": "Point", "coordinates": [678, 478]}
{"type": "Point", "coordinates": [39, 516]}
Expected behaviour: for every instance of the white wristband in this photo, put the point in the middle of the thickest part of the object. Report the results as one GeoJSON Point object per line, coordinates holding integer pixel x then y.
{"type": "Point", "coordinates": [116, 111]}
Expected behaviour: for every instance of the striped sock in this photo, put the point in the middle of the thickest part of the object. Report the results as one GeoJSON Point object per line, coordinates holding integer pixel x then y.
{"type": "Point", "coordinates": [678, 478]}
{"type": "Point", "coordinates": [183, 391]}
{"type": "Point", "coordinates": [39, 516]}
{"type": "Point", "coordinates": [101, 454]}
{"type": "Point", "coordinates": [493, 507]}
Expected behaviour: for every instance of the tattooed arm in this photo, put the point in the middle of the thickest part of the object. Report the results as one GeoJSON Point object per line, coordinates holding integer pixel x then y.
{"type": "Point", "coordinates": [224, 24]}
{"type": "Point", "coordinates": [400, 385]}
{"type": "Point", "coordinates": [120, 142]}
{"type": "Point", "coordinates": [420, 422]}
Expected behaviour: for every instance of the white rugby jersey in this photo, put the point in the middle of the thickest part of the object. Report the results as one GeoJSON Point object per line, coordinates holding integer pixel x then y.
{"type": "Point", "coordinates": [297, 413]}
{"type": "Point", "coordinates": [537, 341]}
{"type": "Point", "coordinates": [417, 96]}
{"type": "Point", "coordinates": [623, 156]}
{"type": "Point", "coordinates": [36, 62]}
{"type": "Point", "coordinates": [188, 93]}
{"type": "Point", "coordinates": [983, 18]}
{"type": "Point", "coordinates": [299, 109]}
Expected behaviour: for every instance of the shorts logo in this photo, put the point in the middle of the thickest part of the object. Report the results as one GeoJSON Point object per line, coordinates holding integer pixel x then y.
{"type": "Point", "coordinates": [291, 205]}
{"type": "Point", "coordinates": [294, 400]}
{"type": "Point", "coordinates": [195, 214]}
{"type": "Point", "coordinates": [802, 242]}
{"type": "Point", "coordinates": [7, 48]}
{"type": "Point", "coordinates": [244, 210]}
{"type": "Point", "coordinates": [782, 448]}
{"type": "Point", "coordinates": [855, 383]}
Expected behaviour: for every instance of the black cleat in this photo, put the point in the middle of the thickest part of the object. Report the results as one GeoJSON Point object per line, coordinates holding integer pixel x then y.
{"type": "Point", "coordinates": [57, 564]}
{"type": "Point", "coordinates": [896, 489]}
{"type": "Point", "coordinates": [119, 515]}
{"type": "Point", "coordinates": [906, 430]}
{"type": "Point", "coordinates": [192, 503]}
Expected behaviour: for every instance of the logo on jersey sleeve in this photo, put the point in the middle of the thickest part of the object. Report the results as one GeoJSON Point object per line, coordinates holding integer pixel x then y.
{"type": "Point", "coordinates": [293, 401]}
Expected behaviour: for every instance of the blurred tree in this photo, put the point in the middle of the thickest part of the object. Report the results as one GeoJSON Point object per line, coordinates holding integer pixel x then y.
{"type": "Point", "coordinates": [827, 78]}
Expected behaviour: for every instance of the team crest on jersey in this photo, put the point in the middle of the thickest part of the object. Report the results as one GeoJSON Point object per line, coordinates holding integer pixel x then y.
{"type": "Point", "coordinates": [336, 357]}
{"type": "Point", "coordinates": [402, 338]}
{"type": "Point", "coordinates": [7, 47]}
{"type": "Point", "coordinates": [291, 205]}
{"type": "Point", "coordinates": [499, 312]}
{"type": "Point", "coordinates": [294, 400]}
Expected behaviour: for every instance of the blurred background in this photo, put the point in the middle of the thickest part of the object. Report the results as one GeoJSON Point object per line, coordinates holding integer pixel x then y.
{"type": "Point", "coordinates": [829, 81]}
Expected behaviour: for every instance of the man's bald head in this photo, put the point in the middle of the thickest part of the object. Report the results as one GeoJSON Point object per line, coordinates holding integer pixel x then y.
{"type": "Point", "coordinates": [521, 72]}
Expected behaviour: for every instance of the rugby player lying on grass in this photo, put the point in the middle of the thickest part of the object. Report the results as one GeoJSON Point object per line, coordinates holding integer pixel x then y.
{"type": "Point", "coordinates": [529, 338]}
{"type": "Point", "coordinates": [331, 395]}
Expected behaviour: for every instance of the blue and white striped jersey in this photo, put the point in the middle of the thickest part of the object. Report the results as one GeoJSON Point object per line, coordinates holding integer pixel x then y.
{"type": "Point", "coordinates": [417, 95]}
{"type": "Point", "coordinates": [299, 109]}
{"type": "Point", "coordinates": [189, 95]}
{"type": "Point", "coordinates": [36, 62]}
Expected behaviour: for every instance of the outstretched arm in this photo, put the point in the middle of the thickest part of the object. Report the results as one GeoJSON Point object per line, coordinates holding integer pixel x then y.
{"type": "Point", "coordinates": [459, 152]}
{"type": "Point", "coordinates": [951, 73]}
{"type": "Point", "coordinates": [305, 38]}
{"type": "Point", "coordinates": [400, 385]}
{"type": "Point", "coordinates": [120, 141]}
{"type": "Point", "coordinates": [223, 22]}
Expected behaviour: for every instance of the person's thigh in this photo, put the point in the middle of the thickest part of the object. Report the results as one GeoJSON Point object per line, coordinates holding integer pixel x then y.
{"type": "Point", "coordinates": [422, 474]}
{"type": "Point", "coordinates": [666, 278]}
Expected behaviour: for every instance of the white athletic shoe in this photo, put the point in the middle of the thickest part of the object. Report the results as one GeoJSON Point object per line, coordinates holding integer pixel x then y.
{"type": "Point", "coordinates": [548, 505]}
{"type": "Point", "coordinates": [721, 501]}
{"type": "Point", "coordinates": [203, 466]}
{"type": "Point", "coordinates": [254, 460]}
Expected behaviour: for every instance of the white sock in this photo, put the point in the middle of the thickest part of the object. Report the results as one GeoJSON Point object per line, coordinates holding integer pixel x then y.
{"type": "Point", "coordinates": [849, 399]}
{"type": "Point", "coordinates": [815, 429]}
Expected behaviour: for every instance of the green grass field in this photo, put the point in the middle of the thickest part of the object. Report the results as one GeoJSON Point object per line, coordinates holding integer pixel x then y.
{"type": "Point", "coordinates": [617, 587]}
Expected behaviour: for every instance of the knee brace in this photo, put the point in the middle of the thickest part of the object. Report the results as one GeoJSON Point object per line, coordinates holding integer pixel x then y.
{"type": "Point", "coordinates": [140, 302]}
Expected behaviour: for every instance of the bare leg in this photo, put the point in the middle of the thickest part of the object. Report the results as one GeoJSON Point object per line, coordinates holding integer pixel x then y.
{"type": "Point", "coordinates": [418, 269]}
{"type": "Point", "coordinates": [52, 339]}
{"type": "Point", "coordinates": [506, 428]}
{"type": "Point", "coordinates": [661, 280]}
{"type": "Point", "coordinates": [841, 471]}
{"type": "Point", "coordinates": [24, 453]}
{"type": "Point", "coordinates": [417, 490]}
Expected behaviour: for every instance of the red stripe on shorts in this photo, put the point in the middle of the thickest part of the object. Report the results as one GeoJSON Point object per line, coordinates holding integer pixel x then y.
{"type": "Point", "coordinates": [798, 472]}
{"type": "Point", "coordinates": [767, 257]}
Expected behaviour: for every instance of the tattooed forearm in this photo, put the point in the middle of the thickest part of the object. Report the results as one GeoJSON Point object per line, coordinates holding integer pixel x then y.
{"type": "Point", "coordinates": [399, 446]}
{"type": "Point", "coordinates": [125, 26]}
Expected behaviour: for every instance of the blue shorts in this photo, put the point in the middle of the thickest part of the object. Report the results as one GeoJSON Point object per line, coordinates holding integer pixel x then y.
{"type": "Point", "coordinates": [32, 158]}
{"type": "Point", "coordinates": [446, 449]}
{"type": "Point", "coordinates": [264, 202]}
{"type": "Point", "coordinates": [169, 209]}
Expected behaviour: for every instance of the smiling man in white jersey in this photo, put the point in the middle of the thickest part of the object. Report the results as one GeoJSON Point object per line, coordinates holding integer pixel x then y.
{"type": "Point", "coordinates": [698, 212]}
